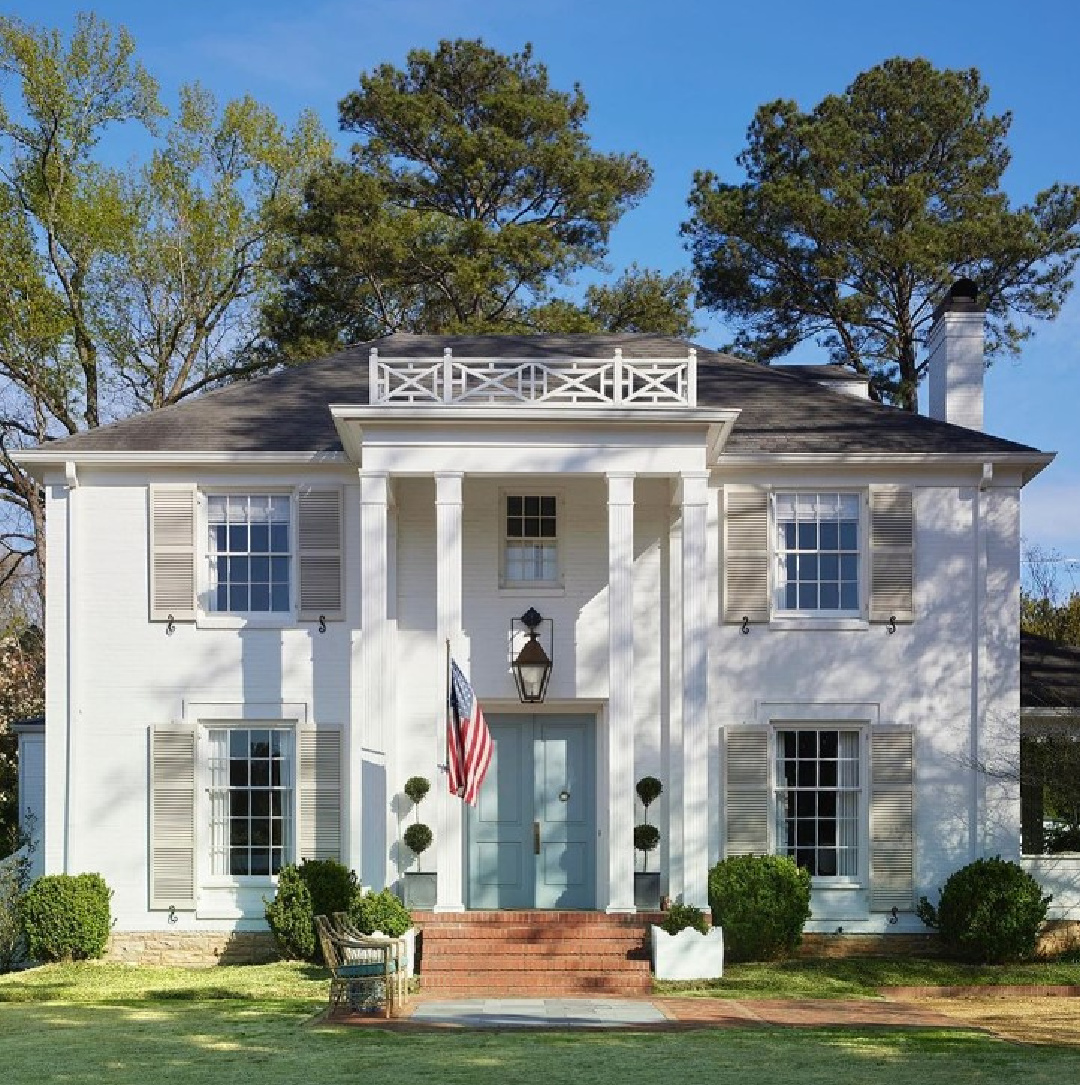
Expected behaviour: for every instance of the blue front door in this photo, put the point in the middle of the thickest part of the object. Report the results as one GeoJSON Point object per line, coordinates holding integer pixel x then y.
{"type": "Point", "coordinates": [532, 834]}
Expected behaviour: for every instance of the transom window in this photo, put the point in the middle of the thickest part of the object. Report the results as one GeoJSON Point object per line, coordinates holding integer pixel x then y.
{"type": "Point", "coordinates": [248, 552]}
{"type": "Point", "coordinates": [817, 552]}
{"type": "Point", "coordinates": [251, 800]}
{"type": "Point", "coordinates": [530, 551]}
{"type": "Point", "coordinates": [817, 796]}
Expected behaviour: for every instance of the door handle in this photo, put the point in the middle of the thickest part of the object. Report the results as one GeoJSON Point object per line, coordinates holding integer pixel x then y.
{"type": "Point", "coordinates": [536, 838]}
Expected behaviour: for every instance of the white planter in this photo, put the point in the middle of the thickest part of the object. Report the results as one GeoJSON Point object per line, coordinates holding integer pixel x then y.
{"type": "Point", "coordinates": [688, 955]}
{"type": "Point", "coordinates": [410, 951]}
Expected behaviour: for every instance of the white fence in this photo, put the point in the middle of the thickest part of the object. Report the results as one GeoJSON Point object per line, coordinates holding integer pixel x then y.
{"type": "Point", "coordinates": [564, 382]}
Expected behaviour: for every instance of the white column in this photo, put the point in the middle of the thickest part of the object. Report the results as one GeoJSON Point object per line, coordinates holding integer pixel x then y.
{"type": "Point", "coordinates": [449, 851]}
{"type": "Point", "coordinates": [370, 727]}
{"type": "Point", "coordinates": [673, 785]}
{"type": "Point", "coordinates": [695, 708]}
{"type": "Point", "coordinates": [620, 692]}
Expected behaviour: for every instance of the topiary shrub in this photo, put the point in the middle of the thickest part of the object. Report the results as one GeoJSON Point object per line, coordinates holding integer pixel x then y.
{"type": "Point", "coordinates": [762, 902]}
{"type": "Point", "coordinates": [66, 917]}
{"type": "Point", "coordinates": [332, 885]}
{"type": "Point", "coordinates": [681, 916]}
{"type": "Point", "coordinates": [989, 912]}
{"type": "Point", "coordinates": [381, 911]}
{"type": "Point", "coordinates": [292, 917]}
{"type": "Point", "coordinates": [417, 838]}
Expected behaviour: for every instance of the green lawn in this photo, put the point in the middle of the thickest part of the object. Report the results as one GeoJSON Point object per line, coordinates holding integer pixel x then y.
{"type": "Point", "coordinates": [133, 1026]}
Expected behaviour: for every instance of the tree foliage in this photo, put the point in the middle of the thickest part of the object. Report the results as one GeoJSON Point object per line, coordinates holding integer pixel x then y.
{"type": "Point", "coordinates": [124, 288]}
{"type": "Point", "coordinates": [855, 217]}
{"type": "Point", "coordinates": [1047, 609]}
{"type": "Point", "coordinates": [471, 193]}
{"type": "Point", "coordinates": [22, 696]}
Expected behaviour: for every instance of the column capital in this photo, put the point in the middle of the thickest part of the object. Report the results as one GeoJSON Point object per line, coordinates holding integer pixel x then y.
{"type": "Point", "coordinates": [692, 488]}
{"type": "Point", "coordinates": [448, 487]}
{"type": "Point", "coordinates": [374, 487]}
{"type": "Point", "coordinates": [620, 487]}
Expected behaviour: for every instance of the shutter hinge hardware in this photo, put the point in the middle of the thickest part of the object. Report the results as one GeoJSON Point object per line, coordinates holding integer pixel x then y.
{"type": "Point", "coordinates": [170, 626]}
{"type": "Point", "coordinates": [745, 625]}
{"type": "Point", "coordinates": [173, 917]}
{"type": "Point", "coordinates": [322, 623]}
{"type": "Point", "coordinates": [890, 627]}
{"type": "Point", "coordinates": [894, 915]}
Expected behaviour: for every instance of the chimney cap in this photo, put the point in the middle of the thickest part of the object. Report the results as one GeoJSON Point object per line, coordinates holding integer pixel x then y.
{"type": "Point", "coordinates": [963, 296]}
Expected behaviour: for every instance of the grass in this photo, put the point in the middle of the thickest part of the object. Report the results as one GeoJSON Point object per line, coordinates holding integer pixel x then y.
{"type": "Point", "coordinates": [861, 977]}
{"type": "Point", "coordinates": [171, 1026]}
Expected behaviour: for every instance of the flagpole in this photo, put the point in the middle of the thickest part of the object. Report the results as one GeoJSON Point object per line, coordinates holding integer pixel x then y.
{"type": "Point", "coordinates": [446, 709]}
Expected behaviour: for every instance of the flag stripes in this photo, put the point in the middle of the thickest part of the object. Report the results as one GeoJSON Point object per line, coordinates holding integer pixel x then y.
{"type": "Point", "coordinates": [468, 740]}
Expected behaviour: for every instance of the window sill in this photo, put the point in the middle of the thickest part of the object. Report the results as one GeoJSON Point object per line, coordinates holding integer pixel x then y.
{"type": "Point", "coordinates": [279, 620]}
{"type": "Point", "coordinates": [246, 881]}
{"type": "Point", "coordinates": [780, 623]}
{"type": "Point", "coordinates": [836, 883]}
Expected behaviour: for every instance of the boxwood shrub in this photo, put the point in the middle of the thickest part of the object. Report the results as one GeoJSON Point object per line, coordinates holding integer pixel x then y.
{"type": "Point", "coordinates": [762, 902]}
{"type": "Point", "coordinates": [382, 912]}
{"type": "Point", "coordinates": [989, 912]}
{"type": "Point", "coordinates": [66, 917]}
{"type": "Point", "coordinates": [291, 916]}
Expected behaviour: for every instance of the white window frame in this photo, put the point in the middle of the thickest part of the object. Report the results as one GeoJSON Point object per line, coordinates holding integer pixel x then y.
{"type": "Point", "coordinates": [819, 619]}
{"type": "Point", "coordinates": [207, 878]}
{"type": "Point", "coordinates": [549, 585]}
{"type": "Point", "coordinates": [861, 877]}
{"type": "Point", "coordinates": [232, 619]}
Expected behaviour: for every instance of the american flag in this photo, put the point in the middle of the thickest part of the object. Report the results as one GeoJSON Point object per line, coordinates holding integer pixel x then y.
{"type": "Point", "coordinates": [468, 740]}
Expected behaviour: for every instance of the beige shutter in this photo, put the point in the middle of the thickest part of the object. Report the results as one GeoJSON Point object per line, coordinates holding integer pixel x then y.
{"type": "Point", "coordinates": [172, 818]}
{"type": "Point", "coordinates": [746, 791]}
{"type": "Point", "coordinates": [892, 554]}
{"type": "Point", "coordinates": [319, 535]}
{"type": "Point", "coordinates": [173, 515]}
{"type": "Point", "coordinates": [320, 794]}
{"type": "Point", "coordinates": [892, 834]}
{"type": "Point", "coordinates": [746, 554]}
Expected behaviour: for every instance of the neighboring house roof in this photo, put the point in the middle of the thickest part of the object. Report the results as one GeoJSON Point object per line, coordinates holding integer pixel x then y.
{"type": "Point", "coordinates": [781, 413]}
{"type": "Point", "coordinates": [1049, 673]}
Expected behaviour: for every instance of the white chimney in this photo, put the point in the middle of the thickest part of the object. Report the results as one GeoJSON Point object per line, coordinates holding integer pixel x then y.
{"type": "Point", "coordinates": [957, 365]}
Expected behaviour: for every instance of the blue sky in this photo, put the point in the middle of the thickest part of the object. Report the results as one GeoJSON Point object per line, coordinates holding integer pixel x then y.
{"type": "Point", "coordinates": [678, 81]}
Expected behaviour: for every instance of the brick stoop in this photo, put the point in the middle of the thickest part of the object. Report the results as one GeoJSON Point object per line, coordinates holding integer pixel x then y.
{"type": "Point", "coordinates": [468, 954]}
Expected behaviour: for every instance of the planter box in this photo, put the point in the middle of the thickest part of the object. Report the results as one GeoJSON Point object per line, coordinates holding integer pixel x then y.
{"type": "Point", "coordinates": [688, 955]}
{"type": "Point", "coordinates": [419, 892]}
{"type": "Point", "coordinates": [647, 891]}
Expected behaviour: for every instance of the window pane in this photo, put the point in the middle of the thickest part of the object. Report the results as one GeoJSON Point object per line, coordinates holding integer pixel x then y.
{"type": "Point", "coordinates": [830, 567]}
{"type": "Point", "coordinates": [532, 506]}
{"type": "Point", "coordinates": [238, 598]}
{"type": "Point", "coordinates": [830, 535]}
{"type": "Point", "coordinates": [808, 597]}
{"type": "Point", "coordinates": [260, 861]}
{"type": "Point", "coordinates": [807, 536]}
{"type": "Point", "coordinates": [849, 597]}
{"type": "Point", "coordinates": [830, 597]}
{"type": "Point", "coordinates": [238, 773]}
{"type": "Point", "coordinates": [279, 597]}
{"type": "Point", "coordinates": [547, 506]}
{"type": "Point", "coordinates": [260, 597]}
{"type": "Point", "coordinates": [279, 538]}
{"type": "Point", "coordinates": [260, 538]}
{"type": "Point", "coordinates": [849, 536]}
{"type": "Point", "coordinates": [238, 862]}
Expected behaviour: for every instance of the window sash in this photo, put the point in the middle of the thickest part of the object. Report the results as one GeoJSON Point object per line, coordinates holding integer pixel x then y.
{"type": "Point", "coordinates": [530, 538]}
{"type": "Point", "coordinates": [251, 798]}
{"type": "Point", "coordinates": [818, 553]}
{"type": "Point", "coordinates": [818, 800]}
{"type": "Point", "coordinates": [249, 553]}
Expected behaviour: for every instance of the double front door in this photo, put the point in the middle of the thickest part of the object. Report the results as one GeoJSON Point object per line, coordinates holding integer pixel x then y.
{"type": "Point", "coordinates": [532, 833]}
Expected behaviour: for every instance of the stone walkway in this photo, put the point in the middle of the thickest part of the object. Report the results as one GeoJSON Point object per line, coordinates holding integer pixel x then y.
{"type": "Point", "coordinates": [650, 1014]}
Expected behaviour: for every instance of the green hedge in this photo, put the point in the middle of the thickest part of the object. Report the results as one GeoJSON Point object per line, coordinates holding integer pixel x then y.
{"type": "Point", "coordinates": [66, 917]}
{"type": "Point", "coordinates": [989, 912]}
{"type": "Point", "coordinates": [762, 902]}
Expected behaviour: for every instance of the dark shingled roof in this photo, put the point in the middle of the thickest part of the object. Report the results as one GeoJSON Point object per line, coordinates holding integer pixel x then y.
{"type": "Point", "coordinates": [286, 411]}
{"type": "Point", "coordinates": [1049, 673]}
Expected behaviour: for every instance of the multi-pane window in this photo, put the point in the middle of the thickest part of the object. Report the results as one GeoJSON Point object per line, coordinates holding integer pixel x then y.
{"type": "Point", "coordinates": [251, 800]}
{"type": "Point", "coordinates": [817, 548]}
{"type": "Point", "coordinates": [248, 550]}
{"type": "Point", "coordinates": [531, 552]}
{"type": "Point", "coordinates": [817, 792]}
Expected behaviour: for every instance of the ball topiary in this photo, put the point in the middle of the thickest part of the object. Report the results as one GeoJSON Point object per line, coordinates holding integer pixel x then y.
{"type": "Point", "coordinates": [417, 838]}
{"type": "Point", "coordinates": [417, 787]}
{"type": "Point", "coordinates": [66, 917]}
{"type": "Point", "coordinates": [649, 790]}
{"type": "Point", "coordinates": [762, 903]}
{"type": "Point", "coordinates": [292, 917]}
{"type": "Point", "coordinates": [989, 912]}
{"type": "Point", "coordinates": [681, 916]}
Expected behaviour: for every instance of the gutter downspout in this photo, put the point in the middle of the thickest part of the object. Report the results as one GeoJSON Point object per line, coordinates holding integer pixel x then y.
{"type": "Point", "coordinates": [978, 647]}
{"type": "Point", "coordinates": [72, 483]}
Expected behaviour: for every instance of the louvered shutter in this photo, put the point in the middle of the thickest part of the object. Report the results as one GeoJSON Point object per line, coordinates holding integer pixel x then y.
{"type": "Point", "coordinates": [746, 554]}
{"type": "Point", "coordinates": [892, 554]}
{"type": "Point", "coordinates": [892, 830]}
{"type": "Point", "coordinates": [319, 535]}
{"type": "Point", "coordinates": [173, 515]}
{"type": "Point", "coordinates": [320, 794]}
{"type": "Point", "coordinates": [746, 791]}
{"type": "Point", "coordinates": [172, 818]}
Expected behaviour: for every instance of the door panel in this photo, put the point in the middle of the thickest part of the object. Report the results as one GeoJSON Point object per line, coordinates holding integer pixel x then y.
{"type": "Point", "coordinates": [541, 779]}
{"type": "Point", "coordinates": [500, 830]}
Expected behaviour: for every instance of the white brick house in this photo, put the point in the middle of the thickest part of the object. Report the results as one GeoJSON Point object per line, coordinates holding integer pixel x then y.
{"type": "Point", "coordinates": [797, 608]}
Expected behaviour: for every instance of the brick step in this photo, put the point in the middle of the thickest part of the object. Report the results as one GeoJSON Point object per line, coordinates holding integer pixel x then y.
{"type": "Point", "coordinates": [489, 943]}
{"type": "Point", "coordinates": [534, 983]}
{"type": "Point", "coordinates": [465, 962]}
